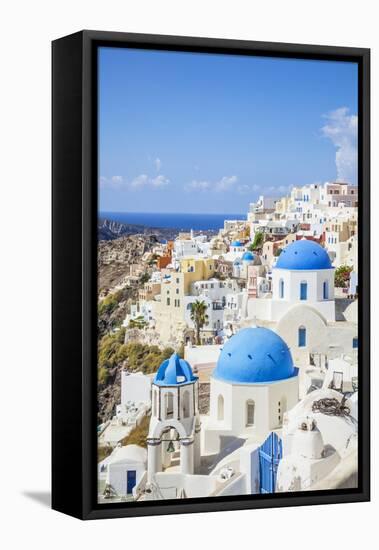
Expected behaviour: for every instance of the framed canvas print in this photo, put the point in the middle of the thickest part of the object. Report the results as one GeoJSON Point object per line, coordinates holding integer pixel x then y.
{"type": "Point", "coordinates": [210, 275]}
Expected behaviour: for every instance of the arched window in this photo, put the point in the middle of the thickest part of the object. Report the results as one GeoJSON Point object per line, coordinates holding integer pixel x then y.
{"type": "Point", "coordinates": [355, 342]}
{"type": "Point", "coordinates": [281, 288]}
{"type": "Point", "coordinates": [303, 290]}
{"type": "Point", "coordinates": [302, 337]}
{"type": "Point", "coordinates": [186, 404]}
{"type": "Point", "coordinates": [169, 404]}
{"type": "Point", "coordinates": [250, 413]}
{"type": "Point", "coordinates": [325, 290]}
{"type": "Point", "coordinates": [220, 407]}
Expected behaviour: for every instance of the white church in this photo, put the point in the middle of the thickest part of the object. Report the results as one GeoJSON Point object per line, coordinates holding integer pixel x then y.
{"type": "Point", "coordinates": [302, 308]}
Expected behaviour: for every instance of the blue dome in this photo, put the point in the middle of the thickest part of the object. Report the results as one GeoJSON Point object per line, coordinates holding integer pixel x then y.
{"type": "Point", "coordinates": [255, 355]}
{"type": "Point", "coordinates": [248, 257]}
{"type": "Point", "coordinates": [173, 372]}
{"type": "Point", "coordinates": [303, 255]}
{"type": "Point", "coordinates": [236, 243]}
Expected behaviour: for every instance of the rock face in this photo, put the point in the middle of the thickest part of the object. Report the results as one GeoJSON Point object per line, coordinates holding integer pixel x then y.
{"type": "Point", "coordinates": [116, 257]}
{"type": "Point", "coordinates": [109, 396]}
{"type": "Point", "coordinates": [204, 397]}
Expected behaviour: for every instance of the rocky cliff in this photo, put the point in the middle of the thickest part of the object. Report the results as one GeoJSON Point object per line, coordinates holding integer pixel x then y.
{"type": "Point", "coordinates": [116, 256]}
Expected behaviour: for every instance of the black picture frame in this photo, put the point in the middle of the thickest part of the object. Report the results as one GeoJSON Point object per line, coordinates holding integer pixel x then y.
{"type": "Point", "coordinates": [74, 272]}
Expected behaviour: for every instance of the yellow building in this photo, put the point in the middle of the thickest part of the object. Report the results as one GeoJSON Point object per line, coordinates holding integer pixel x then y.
{"type": "Point", "coordinates": [170, 307]}
{"type": "Point", "coordinates": [196, 269]}
{"type": "Point", "coordinates": [282, 206]}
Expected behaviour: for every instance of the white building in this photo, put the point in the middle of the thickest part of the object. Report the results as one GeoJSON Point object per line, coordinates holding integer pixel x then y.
{"type": "Point", "coordinates": [319, 450]}
{"type": "Point", "coordinates": [175, 422]}
{"type": "Point", "coordinates": [303, 274]}
{"type": "Point", "coordinates": [141, 311]}
{"type": "Point", "coordinates": [253, 385]}
{"type": "Point", "coordinates": [123, 470]}
{"type": "Point", "coordinates": [214, 294]}
{"type": "Point", "coordinates": [263, 204]}
{"type": "Point", "coordinates": [191, 246]}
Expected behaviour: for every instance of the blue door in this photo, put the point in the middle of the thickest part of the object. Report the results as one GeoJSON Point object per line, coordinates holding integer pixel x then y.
{"type": "Point", "coordinates": [130, 481]}
{"type": "Point", "coordinates": [303, 291]}
{"type": "Point", "coordinates": [270, 454]}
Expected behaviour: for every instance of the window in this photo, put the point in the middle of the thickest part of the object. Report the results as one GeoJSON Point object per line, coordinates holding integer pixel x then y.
{"type": "Point", "coordinates": [325, 292]}
{"type": "Point", "coordinates": [303, 290]}
{"type": "Point", "coordinates": [281, 288]}
{"type": "Point", "coordinates": [355, 342]}
{"type": "Point", "coordinates": [220, 407]}
{"type": "Point", "coordinates": [186, 404]}
{"type": "Point", "coordinates": [168, 301]}
{"type": "Point", "coordinates": [169, 405]}
{"type": "Point", "coordinates": [250, 411]}
{"type": "Point", "coordinates": [177, 291]}
{"type": "Point", "coordinates": [302, 337]}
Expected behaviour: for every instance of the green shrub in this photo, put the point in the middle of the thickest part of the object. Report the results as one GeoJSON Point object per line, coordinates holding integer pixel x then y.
{"type": "Point", "coordinates": [103, 452]}
{"type": "Point", "coordinates": [342, 276]}
{"type": "Point", "coordinates": [258, 240]}
{"type": "Point", "coordinates": [102, 375]}
{"type": "Point", "coordinates": [140, 357]}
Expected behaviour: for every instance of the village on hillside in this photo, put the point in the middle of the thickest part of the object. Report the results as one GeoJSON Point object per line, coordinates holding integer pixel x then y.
{"type": "Point", "coordinates": [233, 366]}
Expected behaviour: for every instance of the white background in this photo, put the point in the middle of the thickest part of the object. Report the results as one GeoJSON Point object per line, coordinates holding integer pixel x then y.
{"type": "Point", "coordinates": [27, 29]}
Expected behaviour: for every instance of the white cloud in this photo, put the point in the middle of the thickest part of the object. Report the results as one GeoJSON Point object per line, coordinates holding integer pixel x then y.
{"type": "Point", "coordinates": [113, 182]}
{"type": "Point", "coordinates": [158, 164]}
{"type": "Point", "coordinates": [119, 183]}
{"type": "Point", "coordinates": [342, 129]}
{"type": "Point", "coordinates": [160, 181]}
{"type": "Point", "coordinates": [243, 189]}
{"type": "Point", "coordinates": [140, 181]}
{"type": "Point", "coordinates": [226, 183]}
{"type": "Point", "coordinates": [143, 180]}
{"type": "Point", "coordinates": [197, 185]}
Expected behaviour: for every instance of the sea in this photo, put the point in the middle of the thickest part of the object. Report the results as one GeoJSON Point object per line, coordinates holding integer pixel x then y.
{"type": "Point", "coordinates": [184, 222]}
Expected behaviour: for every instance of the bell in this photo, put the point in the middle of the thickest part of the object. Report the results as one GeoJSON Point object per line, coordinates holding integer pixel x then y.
{"type": "Point", "coordinates": [170, 447]}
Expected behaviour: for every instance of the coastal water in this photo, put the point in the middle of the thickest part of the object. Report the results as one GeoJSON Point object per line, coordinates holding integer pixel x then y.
{"type": "Point", "coordinates": [178, 221]}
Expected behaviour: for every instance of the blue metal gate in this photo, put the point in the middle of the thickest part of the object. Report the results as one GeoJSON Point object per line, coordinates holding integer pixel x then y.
{"type": "Point", "coordinates": [270, 454]}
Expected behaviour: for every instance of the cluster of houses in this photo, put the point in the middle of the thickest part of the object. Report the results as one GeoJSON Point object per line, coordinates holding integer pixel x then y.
{"type": "Point", "coordinates": [276, 343]}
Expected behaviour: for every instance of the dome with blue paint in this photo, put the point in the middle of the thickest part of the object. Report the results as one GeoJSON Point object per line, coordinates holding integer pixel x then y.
{"type": "Point", "coordinates": [303, 255]}
{"type": "Point", "coordinates": [248, 257]}
{"type": "Point", "coordinates": [253, 356]}
{"type": "Point", "coordinates": [236, 243]}
{"type": "Point", "coordinates": [174, 372]}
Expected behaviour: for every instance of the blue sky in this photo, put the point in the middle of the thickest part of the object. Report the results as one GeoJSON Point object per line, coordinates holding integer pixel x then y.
{"type": "Point", "coordinates": [185, 132]}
